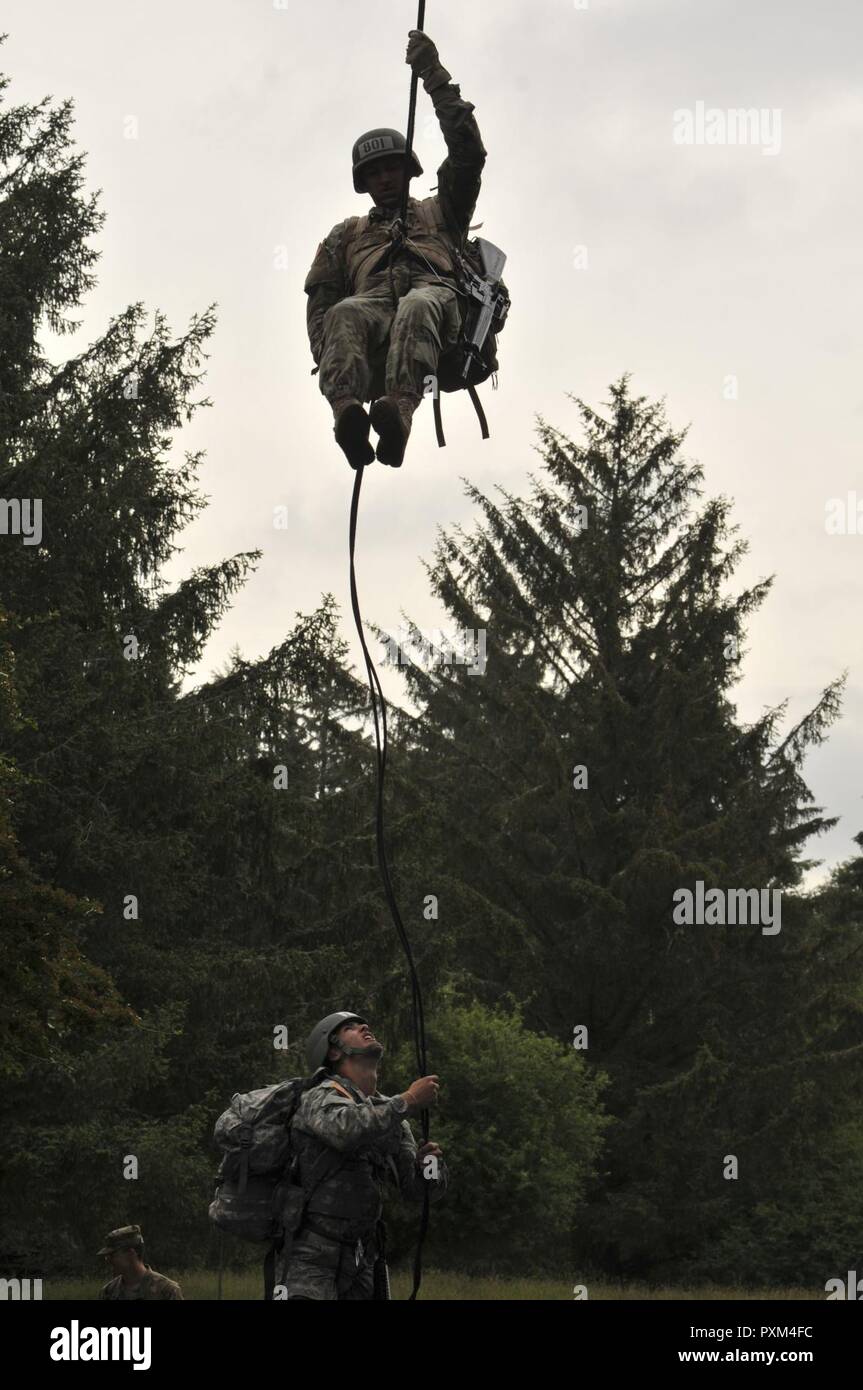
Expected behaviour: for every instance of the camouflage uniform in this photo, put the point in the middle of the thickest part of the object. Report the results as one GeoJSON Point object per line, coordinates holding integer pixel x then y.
{"type": "Point", "coordinates": [153, 1286]}
{"type": "Point", "coordinates": [348, 1145]}
{"type": "Point", "coordinates": [361, 292]}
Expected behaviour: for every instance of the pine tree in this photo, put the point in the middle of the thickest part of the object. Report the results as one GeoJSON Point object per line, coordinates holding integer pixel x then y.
{"type": "Point", "coordinates": [597, 767]}
{"type": "Point", "coordinates": [53, 996]}
{"type": "Point", "coordinates": [215, 907]}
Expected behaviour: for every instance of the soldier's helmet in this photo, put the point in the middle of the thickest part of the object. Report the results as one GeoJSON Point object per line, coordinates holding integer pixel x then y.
{"type": "Point", "coordinates": [318, 1043]}
{"type": "Point", "coordinates": [378, 144]}
{"type": "Point", "coordinates": [124, 1238]}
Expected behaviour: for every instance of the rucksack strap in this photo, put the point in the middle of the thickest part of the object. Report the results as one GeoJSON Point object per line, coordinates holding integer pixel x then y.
{"type": "Point", "coordinates": [438, 422]}
{"type": "Point", "coordinates": [246, 1134]}
{"type": "Point", "coordinates": [353, 227]}
{"type": "Point", "coordinates": [438, 419]}
{"type": "Point", "coordinates": [270, 1273]}
{"type": "Point", "coordinates": [477, 405]}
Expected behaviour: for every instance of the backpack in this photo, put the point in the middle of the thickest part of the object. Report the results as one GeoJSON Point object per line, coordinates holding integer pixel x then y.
{"type": "Point", "coordinates": [474, 358]}
{"type": "Point", "coordinates": [257, 1195]}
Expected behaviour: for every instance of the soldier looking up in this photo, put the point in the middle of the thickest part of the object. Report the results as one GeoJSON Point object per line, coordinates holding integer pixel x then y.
{"type": "Point", "coordinates": [377, 299]}
{"type": "Point", "coordinates": [349, 1140]}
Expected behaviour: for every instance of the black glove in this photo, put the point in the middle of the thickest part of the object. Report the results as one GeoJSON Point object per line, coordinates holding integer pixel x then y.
{"type": "Point", "coordinates": [421, 53]}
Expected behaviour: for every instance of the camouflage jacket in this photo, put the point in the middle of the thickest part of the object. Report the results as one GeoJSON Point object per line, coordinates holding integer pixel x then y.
{"type": "Point", "coordinates": [459, 179]}
{"type": "Point", "coordinates": [348, 1146]}
{"type": "Point", "coordinates": [153, 1287]}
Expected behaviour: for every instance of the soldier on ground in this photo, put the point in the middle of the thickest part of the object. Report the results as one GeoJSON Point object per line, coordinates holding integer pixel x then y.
{"type": "Point", "coordinates": [349, 1140]}
{"type": "Point", "coordinates": [124, 1252]}
{"type": "Point", "coordinates": [384, 303]}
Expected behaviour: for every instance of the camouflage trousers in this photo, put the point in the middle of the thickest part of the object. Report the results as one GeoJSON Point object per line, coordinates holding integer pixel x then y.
{"type": "Point", "coordinates": [366, 330]}
{"type": "Point", "coordinates": [318, 1268]}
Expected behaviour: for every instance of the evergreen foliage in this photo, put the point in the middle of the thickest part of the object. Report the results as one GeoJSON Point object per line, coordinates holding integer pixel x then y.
{"type": "Point", "coordinates": [168, 901]}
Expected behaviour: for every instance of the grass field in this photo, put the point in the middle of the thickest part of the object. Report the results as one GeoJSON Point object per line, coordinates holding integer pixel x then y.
{"type": "Point", "coordinates": [438, 1285]}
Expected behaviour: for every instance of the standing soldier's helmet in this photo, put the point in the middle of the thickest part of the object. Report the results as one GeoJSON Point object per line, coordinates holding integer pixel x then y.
{"type": "Point", "coordinates": [378, 144]}
{"type": "Point", "coordinates": [318, 1043]}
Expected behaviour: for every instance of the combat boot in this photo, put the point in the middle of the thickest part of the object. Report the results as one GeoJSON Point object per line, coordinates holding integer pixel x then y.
{"type": "Point", "coordinates": [391, 416]}
{"type": "Point", "coordinates": [352, 431]}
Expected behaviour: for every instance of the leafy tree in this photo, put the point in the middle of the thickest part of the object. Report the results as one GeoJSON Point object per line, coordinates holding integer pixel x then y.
{"type": "Point", "coordinates": [520, 1124]}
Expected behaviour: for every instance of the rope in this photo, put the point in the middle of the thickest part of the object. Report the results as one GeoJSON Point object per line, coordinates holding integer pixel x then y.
{"type": "Point", "coordinates": [380, 722]}
{"type": "Point", "coordinates": [399, 228]}
{"type": "Point", "coordinates": [379, 715]}
{"type": "Point", "coordinates": [409, 137]}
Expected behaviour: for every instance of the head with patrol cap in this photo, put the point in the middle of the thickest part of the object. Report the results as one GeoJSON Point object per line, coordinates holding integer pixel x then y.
{"type": "Point", "coordinates": [124, 1249]}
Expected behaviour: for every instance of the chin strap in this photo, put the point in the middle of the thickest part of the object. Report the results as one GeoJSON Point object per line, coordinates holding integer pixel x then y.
{"type": "Point", "coordinates": [371, 1049]}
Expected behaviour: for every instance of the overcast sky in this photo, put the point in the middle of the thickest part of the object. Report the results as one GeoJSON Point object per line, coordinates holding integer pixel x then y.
{"type": "Point", "coordinates": [704, 262]}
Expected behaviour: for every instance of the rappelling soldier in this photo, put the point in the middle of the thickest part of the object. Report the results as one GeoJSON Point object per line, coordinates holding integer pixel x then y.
{"type": "Point", "coordinates": [349, 1141]}
{"type": "Point", "coordinates": [382, 302]}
